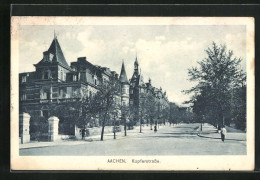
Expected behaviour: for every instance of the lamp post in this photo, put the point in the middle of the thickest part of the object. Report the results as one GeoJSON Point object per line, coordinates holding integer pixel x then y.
{"type": "Point", "coordinates": [124, 121]}
{"type": "Point", "coordinates": [114, 122]}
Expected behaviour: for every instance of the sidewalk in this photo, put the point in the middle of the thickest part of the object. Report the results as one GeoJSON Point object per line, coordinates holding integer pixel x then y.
{"type": "Point", "coordinates": [209, 131]}
{"type": "Point", "coordinates": [108, 136]}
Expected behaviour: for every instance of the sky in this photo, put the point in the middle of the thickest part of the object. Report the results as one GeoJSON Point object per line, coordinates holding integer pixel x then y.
{"type": "Point", "coordinates": [165, 53]}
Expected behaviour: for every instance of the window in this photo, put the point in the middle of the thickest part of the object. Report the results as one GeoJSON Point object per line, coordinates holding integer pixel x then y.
{"type": "Point", "coordinates": [51, 56]}
{"type": "Point", "coordinates": [75, 91]}
{"type": "Point", "coordinates": [23, 79]}
{"type": "Point", "coordinates": [95, 82]}
{"type": "Point", "coordinates": [23, 97]}
{"type": "Point", "coordinates": [124, 103]}
{"type": "Point", "coordinates": [45, 113]}
{"type": "Point", "coordinates": [123, 90]}
{"type": "Point", "coordinates": [45, 94]}
{"type": "Point", "coordinates": [46, 75]}
{"type": "Point", "coordinates": [61, 75]}
{"type": "Point", "coordinates": [74, 78]}
{"type": "Point", "coordinates": [64, 76]}
{"type": "Point", "coordinates": [62, 93]}
{"type": "Point", "coordinates": [69, 92]}
{"type": "Point", "coordinates": [131, 91]}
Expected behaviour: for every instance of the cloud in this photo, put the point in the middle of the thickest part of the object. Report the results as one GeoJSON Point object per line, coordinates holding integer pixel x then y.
{"type": "Point", "coordinates": [160, 38]}
{"type": "Point", "coordinates": [166, 63]}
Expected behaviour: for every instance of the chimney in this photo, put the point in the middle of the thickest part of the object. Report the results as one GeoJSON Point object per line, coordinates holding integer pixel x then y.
{"type": "Point", "coordinates": [45, 56]}
{"type": "Point", "coordinates": [116, 76]}
{"type": "Point", "coordinates": [82, 59]}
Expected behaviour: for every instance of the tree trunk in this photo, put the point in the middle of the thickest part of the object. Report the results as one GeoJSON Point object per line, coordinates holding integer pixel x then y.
{"type": "Point", "coordinates": [103, 127]}
{"type": "Point", "coordinates": [125, 125]}
{"type": "Point", "coordinates": [140, 128]}
{"type": "Point", "coordinates": [141, 124]}
{"type": "Point", "coordinates": [114, 128]}
{"type": "Point", "coordinates": [102, 133]}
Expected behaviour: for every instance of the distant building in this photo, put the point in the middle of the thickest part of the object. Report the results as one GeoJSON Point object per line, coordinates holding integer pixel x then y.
{"type": "Point", "coordinates": [55, 82]}
{"type": "Point", "coordinates": [138, 89]}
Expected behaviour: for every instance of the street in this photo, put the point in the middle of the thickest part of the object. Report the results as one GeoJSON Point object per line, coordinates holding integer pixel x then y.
{"type": "Point", "coordinates": [179, 139]}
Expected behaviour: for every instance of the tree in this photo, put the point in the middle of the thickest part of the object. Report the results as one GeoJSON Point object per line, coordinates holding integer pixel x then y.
{"type": "Point", "coordinates": [107, 99]}
{"type": "Point", "coordinates": [142, 108]}
{"type": "Point", "coordinates": [150, 109]}
{"type": "Point", "coordinates": [238, 104]}
{"type": "Point", "coordinates": [125, 115]}
{"type": "Point", "coordinates": [88, 110]}
{"type": "Point", "coordinates": [165, 114]}
{"type": "Point", "coordinates": [80, 111]}
{"type": "Point", "coordinates": [173, 113]}
{"type": "Point", "coordinates": [216, 75]}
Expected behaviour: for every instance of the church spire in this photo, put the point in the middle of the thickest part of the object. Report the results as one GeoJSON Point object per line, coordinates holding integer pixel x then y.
{"type": "Point", "coordinates": [136, 64]}
{"type": "Point", "coordinates": [136, 61]}
{"type": "Point", "coordinates": [123, 76]}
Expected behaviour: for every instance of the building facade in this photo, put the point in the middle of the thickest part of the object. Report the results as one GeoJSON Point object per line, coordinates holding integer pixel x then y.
{"type": "Point", "coordinates": [55, 82]}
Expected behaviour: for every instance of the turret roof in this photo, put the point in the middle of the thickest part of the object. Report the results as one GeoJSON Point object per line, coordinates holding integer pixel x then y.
{"type": "Point", "coordinates": [136, 61]}
{"type": "Point", "coordinates": [55, 49]}
{"type": "Point", "coordinates": [58, 56]}
{"type": "Point", "coordinates": [123, 76]}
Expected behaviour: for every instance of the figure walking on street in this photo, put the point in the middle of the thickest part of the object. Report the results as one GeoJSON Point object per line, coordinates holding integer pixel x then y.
{"type": "Point", "coordinates": [83, 133]}
{"type": "Point", "coordinates": [155, 128]}
{"type": "Point", "coordinates": [223, 133]}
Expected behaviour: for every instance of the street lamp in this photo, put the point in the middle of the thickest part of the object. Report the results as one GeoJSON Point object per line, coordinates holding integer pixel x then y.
{"type": "Point", "coordinates": [115, 124]}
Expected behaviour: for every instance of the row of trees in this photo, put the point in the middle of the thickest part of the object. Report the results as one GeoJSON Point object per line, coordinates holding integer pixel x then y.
{"type": "Point", "coordinates": [219, 97]}
{"type": "Point", "coordinates": [105, 107]}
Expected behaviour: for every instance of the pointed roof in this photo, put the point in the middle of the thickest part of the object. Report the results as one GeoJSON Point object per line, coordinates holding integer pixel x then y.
{"type": "Point", "coordinates": [123, 76]}
{"type": "Point", "coordinates": [136, 62]}
{"type": "Point", "coordinates": [55, 49]}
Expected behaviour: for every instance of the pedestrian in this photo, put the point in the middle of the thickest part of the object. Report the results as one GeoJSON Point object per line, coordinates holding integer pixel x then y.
{"type": "Point", "coordinates": [83, 133]}
{"type": "Point", "coordinates": [223, 133]}
{"type": "Point", "coordinates": [155, 128]}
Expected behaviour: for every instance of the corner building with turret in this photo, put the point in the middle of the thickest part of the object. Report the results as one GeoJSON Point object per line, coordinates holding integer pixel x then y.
{"type": "Point", "coordinates": [55, 82]}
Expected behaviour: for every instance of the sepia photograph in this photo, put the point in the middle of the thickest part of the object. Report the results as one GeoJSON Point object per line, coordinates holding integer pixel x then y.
{"type": "Point", "coordinates": [136, 93]}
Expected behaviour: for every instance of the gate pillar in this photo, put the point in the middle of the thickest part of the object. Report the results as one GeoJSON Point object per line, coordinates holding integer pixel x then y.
{"type": "Point", "coordinates": [53, 128]}
{"type": "Point", "coordinates": [24, 130]}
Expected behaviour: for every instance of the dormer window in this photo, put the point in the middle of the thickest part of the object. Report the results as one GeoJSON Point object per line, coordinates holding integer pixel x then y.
{"type": "Point", "coordinates": [61, 75]}
{"type": "Point", "coordinates": [51, 56]}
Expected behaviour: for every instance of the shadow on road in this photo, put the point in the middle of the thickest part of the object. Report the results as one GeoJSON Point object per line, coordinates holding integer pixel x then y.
{"type": "Point", "coordinates": [182, 133]}
{"type": "Point", "coordinates": [188, 136]}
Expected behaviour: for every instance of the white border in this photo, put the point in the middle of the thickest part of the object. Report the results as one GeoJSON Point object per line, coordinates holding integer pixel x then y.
{"type": "Point", "coordinates": [245, 162]}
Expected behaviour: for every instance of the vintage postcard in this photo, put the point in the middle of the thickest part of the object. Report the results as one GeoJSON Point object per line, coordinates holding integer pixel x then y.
{"type": "Point", "coordinates": [132, 93]}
